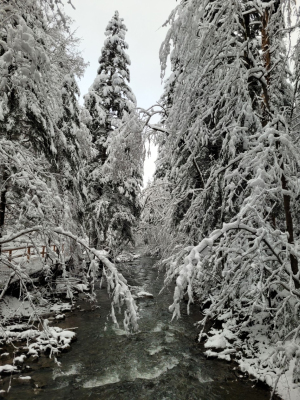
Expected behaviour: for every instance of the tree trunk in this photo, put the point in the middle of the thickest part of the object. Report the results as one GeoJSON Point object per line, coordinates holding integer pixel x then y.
{"type": "Point", "coordinates": [267, 63]}
{"type": "Point", "coordinates": [266, 115]}
{"type": "Point", "coordinates": [290, 228]}
{"type": "Point", "coordinates": [3, 204]}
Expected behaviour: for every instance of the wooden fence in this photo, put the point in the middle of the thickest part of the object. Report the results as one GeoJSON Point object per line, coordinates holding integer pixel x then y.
{"type": "Point", "coordinates": [27, 251]}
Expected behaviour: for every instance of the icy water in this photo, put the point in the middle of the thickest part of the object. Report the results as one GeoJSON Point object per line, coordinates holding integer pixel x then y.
{"type": "Point", "coordinates": [161, 362]}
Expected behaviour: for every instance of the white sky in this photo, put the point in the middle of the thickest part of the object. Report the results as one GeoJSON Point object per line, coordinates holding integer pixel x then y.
{"type": "Point", "coordinates": [145, 35]}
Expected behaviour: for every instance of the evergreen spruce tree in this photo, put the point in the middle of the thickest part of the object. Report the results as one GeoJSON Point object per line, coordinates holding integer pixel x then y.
{"type": "Point", "coordinates": [110, 95]}
{"type": "Point", "coordinates": [75, 153]}
{"type": "Point", "coordinates": [39, 116]}
{"type": "Point", "coordinates": [114, 204]}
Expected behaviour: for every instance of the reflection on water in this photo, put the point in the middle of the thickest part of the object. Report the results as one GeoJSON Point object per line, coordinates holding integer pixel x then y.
{"type": "Point", "coordinates": [162, 361]}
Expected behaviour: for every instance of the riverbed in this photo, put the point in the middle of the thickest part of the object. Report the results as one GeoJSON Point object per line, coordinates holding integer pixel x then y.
{"type": "Point", "coordinates": [163, 361]}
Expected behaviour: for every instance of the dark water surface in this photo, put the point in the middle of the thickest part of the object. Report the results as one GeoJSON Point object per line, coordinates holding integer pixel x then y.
{"type": "Point", "coordinates": [161, 362]}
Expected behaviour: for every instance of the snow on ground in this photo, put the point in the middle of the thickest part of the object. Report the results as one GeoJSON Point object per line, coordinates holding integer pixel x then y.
{"type": "Point", "coordinates": [54, 336]}
{"type": "Point", "coordinates": [13, 307]}
{"type": "Point", "coordinates": [221, 344]}
{"type": "Point", "coordinates": [50, 338]}
{"type": "Point", "coordinates": [20, 359]}
{"type": "Point", "coordinates": [81, 287]}
{"type": "Point", "coordinates": [35, 264]}
{"type": "Point", "coordinates": [60, 316]}
{"type": "Point", "coordinates": [285, 387]}
{"type": "Point", "coordinates": [8, 368]}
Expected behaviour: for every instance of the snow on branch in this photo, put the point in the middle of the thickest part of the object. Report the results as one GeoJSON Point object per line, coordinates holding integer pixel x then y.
{"type": "Point", "coordinates": [121, 294]}
{"type": "Point", "coordinates": [116, 282]}
{"type": "Point", "coordinates": [193, 263]}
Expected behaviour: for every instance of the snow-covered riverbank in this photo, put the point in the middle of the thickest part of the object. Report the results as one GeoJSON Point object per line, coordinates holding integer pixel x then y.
{"type": "Point", "coordinates": [26, 334]}
{"type": "Point", "coordinates": [261, 362]}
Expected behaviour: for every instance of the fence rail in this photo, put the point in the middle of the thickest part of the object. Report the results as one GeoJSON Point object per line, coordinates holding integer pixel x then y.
{"type": "Point", "coordinates": [27, 252]}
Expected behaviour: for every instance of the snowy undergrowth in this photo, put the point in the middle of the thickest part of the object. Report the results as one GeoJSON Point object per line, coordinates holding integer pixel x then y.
{"type": "Point", "coordinates": [27, 336]}
{"type": "Point", "coordinates": [29, 342]}
{"type": "Point", "coordinates": [276, 364]}
{"type": "Point", "coordinates": [46, 339]}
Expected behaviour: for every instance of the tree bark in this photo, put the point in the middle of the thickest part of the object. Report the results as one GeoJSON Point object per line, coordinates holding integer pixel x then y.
{"type": "Point", "coordinates": [289, 228]}
{"type": "Point", "coordinates": [3, 204]}
{"type": "Point", "coordinates": [265, 38]}
{"type": "Point", "coordinates": [266, 115]}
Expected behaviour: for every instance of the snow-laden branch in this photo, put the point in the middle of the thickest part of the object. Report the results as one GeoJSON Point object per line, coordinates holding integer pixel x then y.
{"type": "Point", "coordinates": [192, 261]}
{"type": "Point", "coordinates": [10, 238]}
{"type": "Point", "coordinates": [116, 282]}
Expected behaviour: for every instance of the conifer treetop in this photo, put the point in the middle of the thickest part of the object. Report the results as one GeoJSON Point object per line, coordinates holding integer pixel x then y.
{"type": "Point", "coordinates": [110, 91]}
{"type": "Point", "coordinates": [113, 56]}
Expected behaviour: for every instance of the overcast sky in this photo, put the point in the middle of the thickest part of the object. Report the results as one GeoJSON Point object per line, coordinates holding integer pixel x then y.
{"type": "Point", "coordinates": [145, 35]}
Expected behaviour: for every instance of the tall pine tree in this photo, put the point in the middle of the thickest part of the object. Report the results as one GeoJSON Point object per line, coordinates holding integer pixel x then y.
{"type": "Point", "coordinates": [114, 203]}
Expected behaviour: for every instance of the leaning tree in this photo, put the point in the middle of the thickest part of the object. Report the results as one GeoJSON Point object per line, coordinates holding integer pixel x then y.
{"type": "Point", "coordinates": [230, 143]}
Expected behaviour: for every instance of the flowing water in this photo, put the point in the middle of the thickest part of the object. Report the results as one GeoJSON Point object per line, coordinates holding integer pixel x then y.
{"type": "Point", "coordinates": [162, 361]}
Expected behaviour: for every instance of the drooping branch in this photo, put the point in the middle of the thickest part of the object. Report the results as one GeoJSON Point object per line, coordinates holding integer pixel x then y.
{"type": "Point", "coordinates": [121, 293]}
{"type": "Point", "coordinates": [209, 242]}
{"type": "Point", "coordinates": [10, 238]}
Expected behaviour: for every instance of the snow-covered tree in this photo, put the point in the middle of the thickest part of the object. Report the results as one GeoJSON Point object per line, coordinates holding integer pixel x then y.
{"type": "Point", "coordinates": [44, 141]}
{"type": "Point", "coordinates": [115, 171]}
{"type": "Point", "coordinates": [34, 115]}
{"type": "Point", "coordinates": [110, 95]}
{"type": "Point", "coordinates": [230, 123]}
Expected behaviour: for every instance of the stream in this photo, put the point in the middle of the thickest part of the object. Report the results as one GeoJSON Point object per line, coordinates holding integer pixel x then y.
{"type": "Point", "coordinates": [162, 361]}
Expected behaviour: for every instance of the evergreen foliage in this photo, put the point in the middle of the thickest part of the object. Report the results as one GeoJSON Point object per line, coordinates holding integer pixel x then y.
{"type": "Point", "coordinates": [39, 114]}
{"type": "Point", "coordinates": [110, 95]}
{"type": "Point", "coordinates": [115, 173]}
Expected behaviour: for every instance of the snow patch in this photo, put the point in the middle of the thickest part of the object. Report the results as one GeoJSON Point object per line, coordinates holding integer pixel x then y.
{"type": "Point", "coordinates": [20, 359]}
{"type": "Point", "coordinates": [8, 368]}
{"type": "Point", "coordinates": [81, 287]}
{"type": "Point", "coordinates": [60, 316]}
{"type": "Point", "coordinates": [61, 307]}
